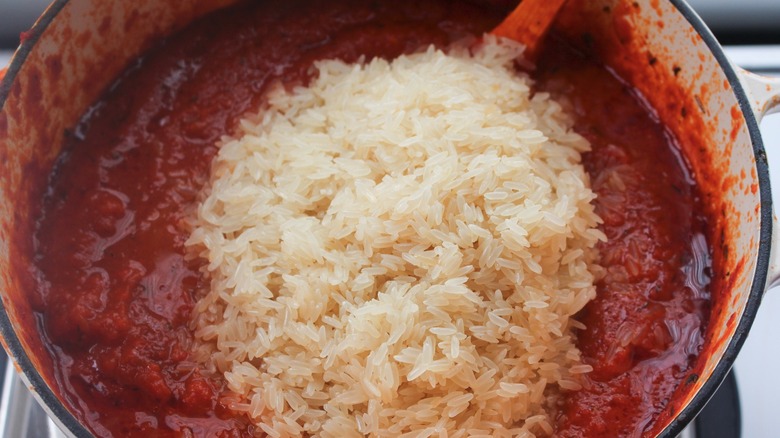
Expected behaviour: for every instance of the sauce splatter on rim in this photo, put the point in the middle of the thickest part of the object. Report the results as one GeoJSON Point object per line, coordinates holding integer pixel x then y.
{"type": "Point", "coordinates": [116, 291]}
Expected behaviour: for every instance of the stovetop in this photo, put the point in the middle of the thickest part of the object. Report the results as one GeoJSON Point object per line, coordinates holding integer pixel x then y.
{"type": "Point", "coordinates": [754, 371]}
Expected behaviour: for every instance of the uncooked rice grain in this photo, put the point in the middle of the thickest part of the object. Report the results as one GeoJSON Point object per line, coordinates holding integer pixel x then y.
{"type": "Point", "coordinates": [398, 249]}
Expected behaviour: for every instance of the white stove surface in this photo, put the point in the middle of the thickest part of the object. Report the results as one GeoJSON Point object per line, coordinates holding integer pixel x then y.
{"type": "Point", "coordinates": [756, 366]}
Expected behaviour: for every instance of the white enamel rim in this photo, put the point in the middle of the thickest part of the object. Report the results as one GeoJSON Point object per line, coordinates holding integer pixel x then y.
{"type": "Point", "coordinates": [763, 98]}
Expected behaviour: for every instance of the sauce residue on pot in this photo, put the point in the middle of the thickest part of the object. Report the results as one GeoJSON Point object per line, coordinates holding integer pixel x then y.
{"type": "Point", "coordinates": [116, 291]}
{"type": "Point", "coordinates": [647, 323]}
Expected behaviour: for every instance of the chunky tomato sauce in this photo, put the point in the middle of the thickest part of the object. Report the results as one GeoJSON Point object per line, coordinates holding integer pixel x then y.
{"type": "Point", "coordinates": [116, 292]}
{"type": "Point", "coordinates": [647, 323]}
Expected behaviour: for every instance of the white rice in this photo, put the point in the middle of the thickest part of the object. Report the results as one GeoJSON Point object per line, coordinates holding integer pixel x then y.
{"type": "Point", "coordinates": [398, 250]}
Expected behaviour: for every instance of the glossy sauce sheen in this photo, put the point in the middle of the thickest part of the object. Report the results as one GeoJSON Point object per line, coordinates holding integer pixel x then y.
{"type": "Point", "coordinates": [647, 323]}
{"type": "Point", "coordinates": [116, 293]}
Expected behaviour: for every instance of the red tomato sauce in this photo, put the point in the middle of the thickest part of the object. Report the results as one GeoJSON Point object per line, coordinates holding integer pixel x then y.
{"type": "Point", "coordinates": [116, 291]}
{"type": "Point", "coordinates": [647, 323]}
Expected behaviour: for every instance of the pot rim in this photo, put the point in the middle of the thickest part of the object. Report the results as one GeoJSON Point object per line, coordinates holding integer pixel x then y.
{"type": "Point", "coordinates": [39, 388]}
{"type": "Point", "coordinates": [758, 286]}
{"type": "Point", "coordinates": [56, 409]}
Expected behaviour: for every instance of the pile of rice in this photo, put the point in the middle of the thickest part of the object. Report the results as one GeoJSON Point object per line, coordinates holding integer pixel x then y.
{"type": "Point", "coordinates": [398, 248]}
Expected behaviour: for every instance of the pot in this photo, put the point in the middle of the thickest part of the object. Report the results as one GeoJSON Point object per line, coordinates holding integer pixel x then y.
{"type": "Point", "coordinates": [78, 47]}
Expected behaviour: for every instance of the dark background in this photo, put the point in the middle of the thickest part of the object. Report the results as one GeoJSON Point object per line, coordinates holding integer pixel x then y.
{"type": "Point", "coordinates": [732, 21]}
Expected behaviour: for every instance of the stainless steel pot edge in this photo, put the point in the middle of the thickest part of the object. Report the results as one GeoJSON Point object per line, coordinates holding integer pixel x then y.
{"type": "Point", "coordinates": [20, 415]}
{"type": "Point", "coordinates": [50, 403]}
{"type": "Point", "coordinates": [758, 287]}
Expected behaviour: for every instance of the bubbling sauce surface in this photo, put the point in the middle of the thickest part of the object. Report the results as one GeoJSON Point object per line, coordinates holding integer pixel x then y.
{"type": "Point", "coordinates": [116, 292]}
